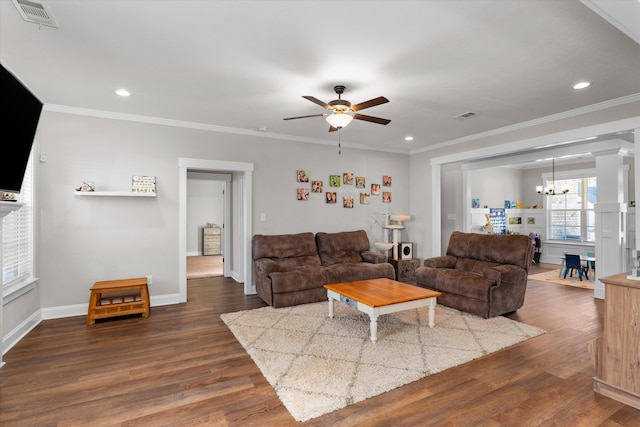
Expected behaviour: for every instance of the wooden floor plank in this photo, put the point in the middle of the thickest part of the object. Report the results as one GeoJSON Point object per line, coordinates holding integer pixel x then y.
{"type": "Point", "coordinates": [183, 367]}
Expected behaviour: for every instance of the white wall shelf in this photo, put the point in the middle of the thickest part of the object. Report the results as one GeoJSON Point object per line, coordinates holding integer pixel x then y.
{"type": "Point", "coordinates": [88, 194]}
{"type": "Point", "coordinates": [7, 207]}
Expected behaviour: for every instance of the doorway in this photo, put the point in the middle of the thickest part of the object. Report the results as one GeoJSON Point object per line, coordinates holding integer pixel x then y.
{"type": "Point", "coordinates": [238, 246]}
{"type": "Point", "coordinates": [208, 222]}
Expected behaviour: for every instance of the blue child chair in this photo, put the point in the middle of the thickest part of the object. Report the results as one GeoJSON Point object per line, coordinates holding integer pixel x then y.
{"type": "Point", "coordinates": [571, 263]}
{"type": "Point", "coordinates": [591, 264]}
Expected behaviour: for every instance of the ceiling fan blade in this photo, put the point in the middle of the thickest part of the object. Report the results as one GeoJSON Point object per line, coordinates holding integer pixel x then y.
{"type": "Point", "coordinates": [317, 101]}
{"type": "Point", "coordinates": [372, 119]}
{"type": "Point", "coordinates": [370, 103]}
{"type": "Point", "coordinates": [304, 117]}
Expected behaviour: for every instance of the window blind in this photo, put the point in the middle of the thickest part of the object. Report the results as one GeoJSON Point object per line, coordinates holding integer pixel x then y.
{"type": "Point", "coordinates": [17, 234]}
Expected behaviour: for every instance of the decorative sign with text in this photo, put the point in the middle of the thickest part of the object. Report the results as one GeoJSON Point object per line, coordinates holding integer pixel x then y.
{"type": "Point", "coordinates": [143, 184]}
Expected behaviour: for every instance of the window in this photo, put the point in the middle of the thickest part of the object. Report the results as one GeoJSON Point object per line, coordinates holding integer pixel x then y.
{"type": "Point", "coordinates": [17, 238]}
{"type": "Point", "coordinates": [571, 216]}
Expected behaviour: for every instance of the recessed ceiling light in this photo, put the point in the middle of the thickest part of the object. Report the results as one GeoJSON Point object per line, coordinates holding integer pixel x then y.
{"type": "Point", "coordinates": [581, 85]}
{"type": "Point", "coordinates": [122, 92]}
{"type": "Point", "coordinates": [408, 138]}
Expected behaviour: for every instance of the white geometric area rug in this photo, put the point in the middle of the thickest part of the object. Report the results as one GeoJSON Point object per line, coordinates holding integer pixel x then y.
{"type": "Point", "coordinates": [318, 365]}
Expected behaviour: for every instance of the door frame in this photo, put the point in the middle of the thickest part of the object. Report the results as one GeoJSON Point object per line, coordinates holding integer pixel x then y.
{"type": "Point", "coordinates": [242, 227]}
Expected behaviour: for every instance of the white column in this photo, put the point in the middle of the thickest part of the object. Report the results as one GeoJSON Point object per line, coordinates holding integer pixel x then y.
{"type": "Point", "coordinates": [636, 196]}
{"type": "Point", "coordinates": [436, 207]}
{"type": "Point", "coordinates": [611, 226]}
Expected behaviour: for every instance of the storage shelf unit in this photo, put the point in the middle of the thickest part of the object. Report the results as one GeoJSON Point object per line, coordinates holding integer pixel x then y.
{"type": "Point", "coordinates": [211, 241]}
{"type": "Point", "coordinates": [89, 194]}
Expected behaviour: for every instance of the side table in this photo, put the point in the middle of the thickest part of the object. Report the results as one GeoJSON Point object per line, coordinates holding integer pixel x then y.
{"type": "Point", "coordinates": [405, 268]}
{"type": "Point", "coordinates": [118, 298]}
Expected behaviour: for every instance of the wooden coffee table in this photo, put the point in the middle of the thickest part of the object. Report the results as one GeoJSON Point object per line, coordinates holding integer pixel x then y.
{"type": "Point", "coordinates": [382, 296]}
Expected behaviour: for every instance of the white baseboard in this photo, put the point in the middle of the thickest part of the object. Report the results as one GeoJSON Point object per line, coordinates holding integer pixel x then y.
{"type": "Point", "coordinates": [19, 332]}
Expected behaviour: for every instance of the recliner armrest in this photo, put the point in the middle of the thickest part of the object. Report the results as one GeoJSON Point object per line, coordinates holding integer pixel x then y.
{"type": "Point", "coordinates": [506, 273]}
{"type": "Point", "coordinates": [445, 261]}
{"type": "Point", "coordinates": [373, 257]}
{"type": "Point", "coordinates": [265, 266]}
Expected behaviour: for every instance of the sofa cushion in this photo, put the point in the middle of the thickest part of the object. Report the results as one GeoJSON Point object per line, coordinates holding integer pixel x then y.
{"type": "Point", "coordinates": [474, 265]}
{"type": "Point", "coordinates": [351, 272]}
{"type": "Point", "coordinates": [291, 250]}
{"type": "Point", "coordinates": [298, 279]}
{"type": "Point", "coordinates": [463, 283]}
{"type": "Point", "coordinates": [343, 247]}
{"type": "Point", "coordinates": [497, 248]}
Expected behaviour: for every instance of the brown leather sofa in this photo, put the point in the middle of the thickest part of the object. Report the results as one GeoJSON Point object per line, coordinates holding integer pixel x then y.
{"type": "Point", "coordinates": [482, 274]}
{"type": "Point", "coordinates": [291, 269]}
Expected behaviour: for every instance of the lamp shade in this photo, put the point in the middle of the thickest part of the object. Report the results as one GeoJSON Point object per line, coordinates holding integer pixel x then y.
{"type": "Point", "coordinates": [340, 119]}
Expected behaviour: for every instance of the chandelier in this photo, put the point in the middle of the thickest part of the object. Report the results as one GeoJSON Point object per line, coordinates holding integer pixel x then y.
{"type": "Point", "coordinates": [550, 190]}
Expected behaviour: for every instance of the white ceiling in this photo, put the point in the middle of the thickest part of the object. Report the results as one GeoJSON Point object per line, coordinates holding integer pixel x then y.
{"type": "Point", "coordinates": [245, 65]}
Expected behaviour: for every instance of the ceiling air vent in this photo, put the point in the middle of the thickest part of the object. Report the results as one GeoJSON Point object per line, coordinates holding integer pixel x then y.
{"type": "Point", "coordinates": [34, 11]}
{"type": "Point", "coordinates": [465, 116]}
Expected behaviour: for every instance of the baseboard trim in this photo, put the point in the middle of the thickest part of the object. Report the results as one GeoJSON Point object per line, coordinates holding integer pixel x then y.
{"type": "Point", "coordinates": [19, 332]}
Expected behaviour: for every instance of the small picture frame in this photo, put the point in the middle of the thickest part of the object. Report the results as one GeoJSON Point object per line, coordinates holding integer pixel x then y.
{"type": "Point", "coordinates": [375, 189]}
{"type": "Point", "coordinates": [531, 220]}
{"type": "Point", "coordinates": [386, 197]}
{"type": "Point", "coordinates": [347, 178]}
{"type": "Point", "coordinates": [302, 175]}
{"type": "Point", "coordinates": [303, 194]}
{"type": "Point", "coordinates": [360, 182]}
{"type": "Point", "coordinates": [347, 202]}
{"type": "Point", "coordinates": [364, 198]}
{"type": "Point", "coordinates": [316, 186]}
{"type": "Point", "coordinates": [475, 203]}
{"type": "Point", "coordinates": [334, 180]}
{"type": "Point", "coordinates": [386, 181]}
{"type": "Point", "coordinates": [140, 184]}
{"type": "Point", "coordinates": [515, 220]}
{"type": "Point", "coordinates": [330, 197]}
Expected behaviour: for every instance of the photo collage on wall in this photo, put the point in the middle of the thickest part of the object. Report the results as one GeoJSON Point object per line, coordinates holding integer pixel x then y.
{"type": "Point", "coordinates": [343, 189]}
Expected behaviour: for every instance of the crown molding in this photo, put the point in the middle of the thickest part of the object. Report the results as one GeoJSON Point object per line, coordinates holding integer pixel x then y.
{"type": "Point", "coordinates": [536, 122]}
{"type": "Point", "coordinates": [211, 128]}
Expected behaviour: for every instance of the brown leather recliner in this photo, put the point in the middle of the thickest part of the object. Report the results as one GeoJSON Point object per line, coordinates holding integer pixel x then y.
{"type": "Point", "coordinates": [482, 274]}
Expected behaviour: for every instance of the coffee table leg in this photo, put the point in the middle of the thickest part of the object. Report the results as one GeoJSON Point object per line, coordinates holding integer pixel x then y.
{"type": "Point", "coordinates": [374, 327]}
{"type": "Point", "coordinates": [432, 312]}
{"type": "Point", "coordinates": [330, 308]}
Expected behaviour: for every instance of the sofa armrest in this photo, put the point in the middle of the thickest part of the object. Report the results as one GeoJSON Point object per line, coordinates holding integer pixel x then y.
{"type": "Point", "coordinates": [373, 257]}
{"type": "Point", "coordinates": [265, 266]}
{"type": "Point", "coordinates": [445, 261]}
{"type": "Point", "coordinates": [261, 269]}
{"type": "Point", "coordinates": [508, 273]}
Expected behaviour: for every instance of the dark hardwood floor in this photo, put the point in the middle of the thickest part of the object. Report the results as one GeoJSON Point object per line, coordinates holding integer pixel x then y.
{"type": "Point", "coordinates": [183, 367]}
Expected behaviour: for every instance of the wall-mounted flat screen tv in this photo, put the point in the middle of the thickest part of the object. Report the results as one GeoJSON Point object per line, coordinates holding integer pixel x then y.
{"type": "Point", "coordinates": [20, 115]}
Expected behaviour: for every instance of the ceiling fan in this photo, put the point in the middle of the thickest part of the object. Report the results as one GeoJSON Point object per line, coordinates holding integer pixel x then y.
{"type": "Point", "coordinates": [341, 112]}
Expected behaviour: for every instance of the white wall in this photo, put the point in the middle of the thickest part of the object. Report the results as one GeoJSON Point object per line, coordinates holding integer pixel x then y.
{"type": "Point", "coordinates": [81, 241]}
{"type": "Point", "coordinates": [495, 185]}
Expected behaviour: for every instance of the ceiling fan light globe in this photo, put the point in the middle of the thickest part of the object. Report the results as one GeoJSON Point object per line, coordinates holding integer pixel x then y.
{"type": "Point", "coordinates": [339, 119]}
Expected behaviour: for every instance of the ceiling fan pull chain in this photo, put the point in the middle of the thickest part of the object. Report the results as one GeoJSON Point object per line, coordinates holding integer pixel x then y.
{"type": "Point", "coordinates": [339, 142]}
